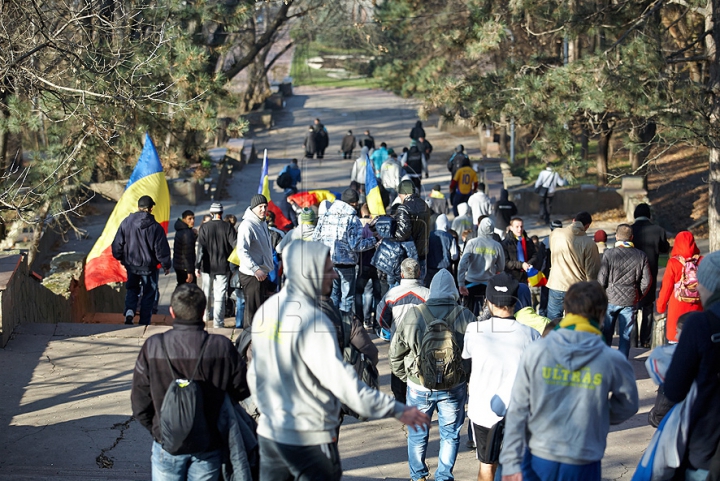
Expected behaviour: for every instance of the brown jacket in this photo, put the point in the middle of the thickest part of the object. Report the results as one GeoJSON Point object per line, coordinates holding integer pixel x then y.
{"type": "Point", "coordinates": [574, 257]}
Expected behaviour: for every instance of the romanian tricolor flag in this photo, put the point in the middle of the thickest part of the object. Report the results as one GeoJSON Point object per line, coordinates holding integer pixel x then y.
{"type": "Point", "coordinates": [536, 278]}
{"type": "Point", "coordinates": [148, 178]}
{"type": "Point", "coordinates": [281, 221]}
{"type": "Point", "coordinates": [372, 192]}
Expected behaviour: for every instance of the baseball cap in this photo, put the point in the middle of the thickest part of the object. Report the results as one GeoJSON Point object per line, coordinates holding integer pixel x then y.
{"type": "Point", "coordinates": [502, 290]}
{"type": "Point", "coordinates": [145, 202]}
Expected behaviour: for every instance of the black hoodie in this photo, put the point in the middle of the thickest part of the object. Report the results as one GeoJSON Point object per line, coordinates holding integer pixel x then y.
{"type": "Point", "coordinates": [504, 210]}
{"type": "Point", "coordinates": [184, 250]}
{"type": "Point", "coordinates": [417, 131]}
{"type": "Point", "coordinates": [217, 239]}
{"type": "Point", "coordinates": [141, 244]}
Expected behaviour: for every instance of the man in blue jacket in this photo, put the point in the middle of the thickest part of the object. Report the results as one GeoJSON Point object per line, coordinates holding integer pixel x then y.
{"type": "Point", "coordinates": [140, 245]}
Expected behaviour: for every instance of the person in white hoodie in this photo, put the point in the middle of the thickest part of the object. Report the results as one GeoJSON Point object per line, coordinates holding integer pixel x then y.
{"type": "Point", "coordinates": [299, 380]}
{"type": "Point", "coordinates": [254, 249]}
{"type": "Point", "coordinates": [480, 204]}
{"type": "Point", "coordinates": [359, 168]}
{"type": "Point", "coordinates": [570, 387]}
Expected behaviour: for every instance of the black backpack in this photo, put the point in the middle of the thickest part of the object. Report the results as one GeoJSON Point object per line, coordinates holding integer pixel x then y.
{"type": "Point", "coordinates": [284, 180]}
{"type": "Point", "coordinates": [414, 161]}
{"type": "Point", "coordinates": [183, 427]}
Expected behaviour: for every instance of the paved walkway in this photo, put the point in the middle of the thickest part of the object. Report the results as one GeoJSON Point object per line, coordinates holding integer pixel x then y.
{"type": "Point", "coordinates": [64, 401]}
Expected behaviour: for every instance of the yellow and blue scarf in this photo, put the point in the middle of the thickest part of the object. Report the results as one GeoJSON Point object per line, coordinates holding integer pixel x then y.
{"type": "Point", "coordinates": [575, 322]}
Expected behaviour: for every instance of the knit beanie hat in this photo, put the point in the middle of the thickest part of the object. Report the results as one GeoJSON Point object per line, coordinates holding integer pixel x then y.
{"type": "Point", "coordinates": [349, 196]}
{"type": "Point", "coordinates": [600, 236]}
{"type": "Point", "coordinates": [708, 272]}
{"type": "Point", "coordinates": [406, 187]}
{"type": "Point", "coordinates": [307, 216]}
{"type": "Point", "coordinates": [257, 199]}
{"type": "Point", "coordinates": [216, 208]}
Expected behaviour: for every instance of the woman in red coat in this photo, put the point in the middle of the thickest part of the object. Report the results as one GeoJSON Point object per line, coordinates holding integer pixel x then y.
{"type": "Point", "coordinates": [684, 247]}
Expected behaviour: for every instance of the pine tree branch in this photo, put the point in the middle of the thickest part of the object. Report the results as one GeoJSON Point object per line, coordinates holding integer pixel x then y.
{"type": "Point", "coordinates": [638, 22]}
{"type": "Point", "coordinates": [277, 56]}
{"type": "Point", "coordinates": [694, 58]}
{"type": "Point", "coordinates": [682, 51]}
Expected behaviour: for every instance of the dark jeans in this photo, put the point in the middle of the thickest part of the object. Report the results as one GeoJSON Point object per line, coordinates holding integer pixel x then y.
{"type": "Point", "coordinates": [546, 208]}
{"type": "Point", "coordinates": [347, 155]}
{"type": "Point", "coordinates": [398, 388]}
{"type": "Point", "coordinates": [255, 294]}
{"type": "Point", "coordinates": [366, 274]}
{"type": "Point", "coordinates": [476, 298]}
{"type": "Point", "coordinates": [182, 276]}
{"type": "Point", "coordinates": [456, 199]}
{"type": "Point", "coordinates": [285, 462]}
{"type": "Point", "coordinates": [646, 324]}
{"type": "Point", "coordinates": [542, 307]}
{"type": "Point", "coordinates": [148, 283]}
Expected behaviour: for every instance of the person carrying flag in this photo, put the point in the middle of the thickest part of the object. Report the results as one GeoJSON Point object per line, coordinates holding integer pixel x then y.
{"type": "Point", "coordinates": [520, 253]}
{"type": "Point", "coordinates": [140, 245]}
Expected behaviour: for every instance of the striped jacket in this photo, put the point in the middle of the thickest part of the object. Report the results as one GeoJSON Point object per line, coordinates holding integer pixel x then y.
{"type": "Point", "coordinates": [398, 301]}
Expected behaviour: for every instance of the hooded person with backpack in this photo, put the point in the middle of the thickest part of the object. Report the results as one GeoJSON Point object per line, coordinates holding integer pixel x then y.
{"type": "Point", "coordinates": [678, 293]}
{"type": "Point", "coordinates": [426, 352]}
{"type": "Point", "coordinates": [210, 367]}
{"type": "Point", "coordinates": [295, 346]}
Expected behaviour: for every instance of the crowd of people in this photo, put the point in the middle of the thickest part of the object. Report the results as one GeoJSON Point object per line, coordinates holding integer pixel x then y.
{"type": "Point", "coordinates": [482, 320]}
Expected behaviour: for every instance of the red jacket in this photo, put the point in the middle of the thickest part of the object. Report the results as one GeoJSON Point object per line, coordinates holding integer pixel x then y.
{"type": "Point", "coordinates": [685, 247]}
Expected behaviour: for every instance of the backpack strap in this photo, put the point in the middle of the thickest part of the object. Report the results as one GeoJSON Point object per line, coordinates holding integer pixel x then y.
{"type": "Point", "coordinates": [428, 316]}
{"type": "Point", "coordinates": [197, 365]}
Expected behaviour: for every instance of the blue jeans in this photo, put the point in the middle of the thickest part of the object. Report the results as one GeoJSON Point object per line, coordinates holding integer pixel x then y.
{"type": "Point", "coordinates": [239, 308]}
{"type": "Point", "coordinates": [149, 285]}
{"type": "Point", "coordinates": [539, 469]}
{"type": "Point", "coordinates": [451, 415]}
{"type": "Point", "coordinates": [555, 307]}
{"type": "Point", "coordinates": [625, 316]}
{"type": "Point", "coordinates": [343, 291]}
{"type": "Point", "coordinates": [696, 474]}
{"type": "Point", "coordinates": [181, 467]}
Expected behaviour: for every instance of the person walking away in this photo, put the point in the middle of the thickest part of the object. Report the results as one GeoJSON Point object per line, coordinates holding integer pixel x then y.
{"type": "Point", "coordinates": [184, 248]}
{"type": "Point", "coordinates": [442, 249]}
{"type": "Point", "coordinates": [696, 361]}
{"type": "Point", "coordinates": [412, 218]}
{"type": "Point", "coordinates": [520, 253]}
{"type": "Point", "coordinates": [625, 276]}
{"type": "Point", "coordinates": [462, 185]}
{"type": "Point", "coordinates": [256, 258]}
{"type": "Point", "coordinates": [217, 239]}
{"type": "Point", "coordinates": [367, 141]}
{"type": "Point", "coordinates": [357, 174]}
{"type": "Point", "coordinates": [295, 176]}
{"type": "Point", "coordinates": [600, 238]}
{"type": "Point", "coordinates": [481, 259]}
{"type": "Point", "coordinates": [546, 265]}
{"type": "Point", "coordinates": [390, 173]}
{"type": "Point", "coordinates": [208, 360]}
{"type": "Point", "coordinates": [420, 354]}
{"type": "Point", "coordinates": [348, 145]}
{"type": "Point", "coordinates": [341, 230]}
{"type": "Point", "coordinates": [652, 240]}
{"type": "Point", "coordinates": [437, 203]}
{"type": "Point", "coordinates": [425, 147]}
{"type": "Point", "coordinates": [321, 138]}
{"type": "Point", "coordinates": [503, 211]}
{"type": "Point", "coordinates": [464, 223]}
{"type": "Point", "coordinates": [140, 245]}
{"type": "Point", "coordinates": [415, 165]}
{"type": "Point", "coordinates": [457, 159]}
{"type": "Point", "coordinates": [480, 203]}
{"type": "Point", "coordinates": [310, 143]}
{"type": "Point", "coordinates": [298, 424]}
{"type": "Point", "coordinates": [378, 157]}
{"type": "Point", "coordinates": [574, 258]}
{"type": "Point", "coordinates": [417, 131]}
{"type": "Point", "coordinates": [678, 292]}
{"type": "Point", "coordinates": [367, 297]}
{"type": "Point", "coordinates": [548, 180]}
{"type": "Point", "coordinates": [569, 378]}
{"type": "Point", "coordinates": [494, 348]}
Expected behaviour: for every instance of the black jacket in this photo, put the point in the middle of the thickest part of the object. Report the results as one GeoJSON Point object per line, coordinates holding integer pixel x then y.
{"type": "Point", "coordinates": [310, 143]}
{"type": "Point", "coordinates": [184, 250]}
{"type": "Point", "coordinates": [217, 240]}
{"type": "Point", "coordinates": [503, 211]}
{"type": "Point", "coordinates": [412, 218]}
{"type": "Point", "coordinates": [625, 275]}
{"type": "Point", "coordinates": [368, 141]}
{"type": "Point", "coordinates": [221, 370]}
{"type": "Point", "coordinates": [652, 240]}
{"type": "Point", "coordinates": [321, 136]}
{"type": "Point", "coordinates": [425, 147]}
{"type": "Point", "coordinates": [417, 131]}
{"type": "Point", "coordinates": [141, 244]}
{"type": "Point", "coordinates": [457, 160]}
{"type": "Point", "coordinates": [348, 143]}
{"type": "Point", "coordinates": [512, 265]}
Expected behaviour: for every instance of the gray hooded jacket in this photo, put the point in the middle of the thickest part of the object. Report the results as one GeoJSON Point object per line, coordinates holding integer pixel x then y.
{"type": "Point", "coordinates": [570, 387]}
{"type": "Point", "coordinates": [297, 375]}
{"type": "Point", "coordinates": [482, 257]}
{"type": "Point", "coordinates": [253, 245]}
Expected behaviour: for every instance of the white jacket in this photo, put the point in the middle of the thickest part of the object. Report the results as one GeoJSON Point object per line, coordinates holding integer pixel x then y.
{"type": "Point", "coordinates": [551, 180]}
{"type": "Point", "coordinates": [480, 204]}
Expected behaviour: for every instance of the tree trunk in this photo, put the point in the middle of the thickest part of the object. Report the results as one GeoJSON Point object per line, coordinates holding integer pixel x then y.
{"type": "Point", "coordinates": [5, 134]}
{"type": "Point", "coordinates": [603, 152]}
{"type": "Point", "coordinates": [584, 143]}
{"type": "Point", "coordinates": [643, 135]}
{"type": "Point", "coordinates": [503, 135]}
{"type": "Point", "coordinates": [712, 23]}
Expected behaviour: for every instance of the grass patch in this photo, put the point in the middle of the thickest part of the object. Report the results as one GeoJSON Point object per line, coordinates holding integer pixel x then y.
{"type": "Point", "coordinates": [304, 75]}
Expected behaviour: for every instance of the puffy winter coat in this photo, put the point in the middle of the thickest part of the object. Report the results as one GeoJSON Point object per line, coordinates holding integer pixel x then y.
{"type": "Point", "coordinates": [184, 249]}
{"type": "Point", "coordinates": [684, 247]}
{"type": "Point", "coordinates": [141, 244]}
{"type": "Point", "coordinates": [625, 275]}
{"type": "Point", "coordinates": [413, 222]}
